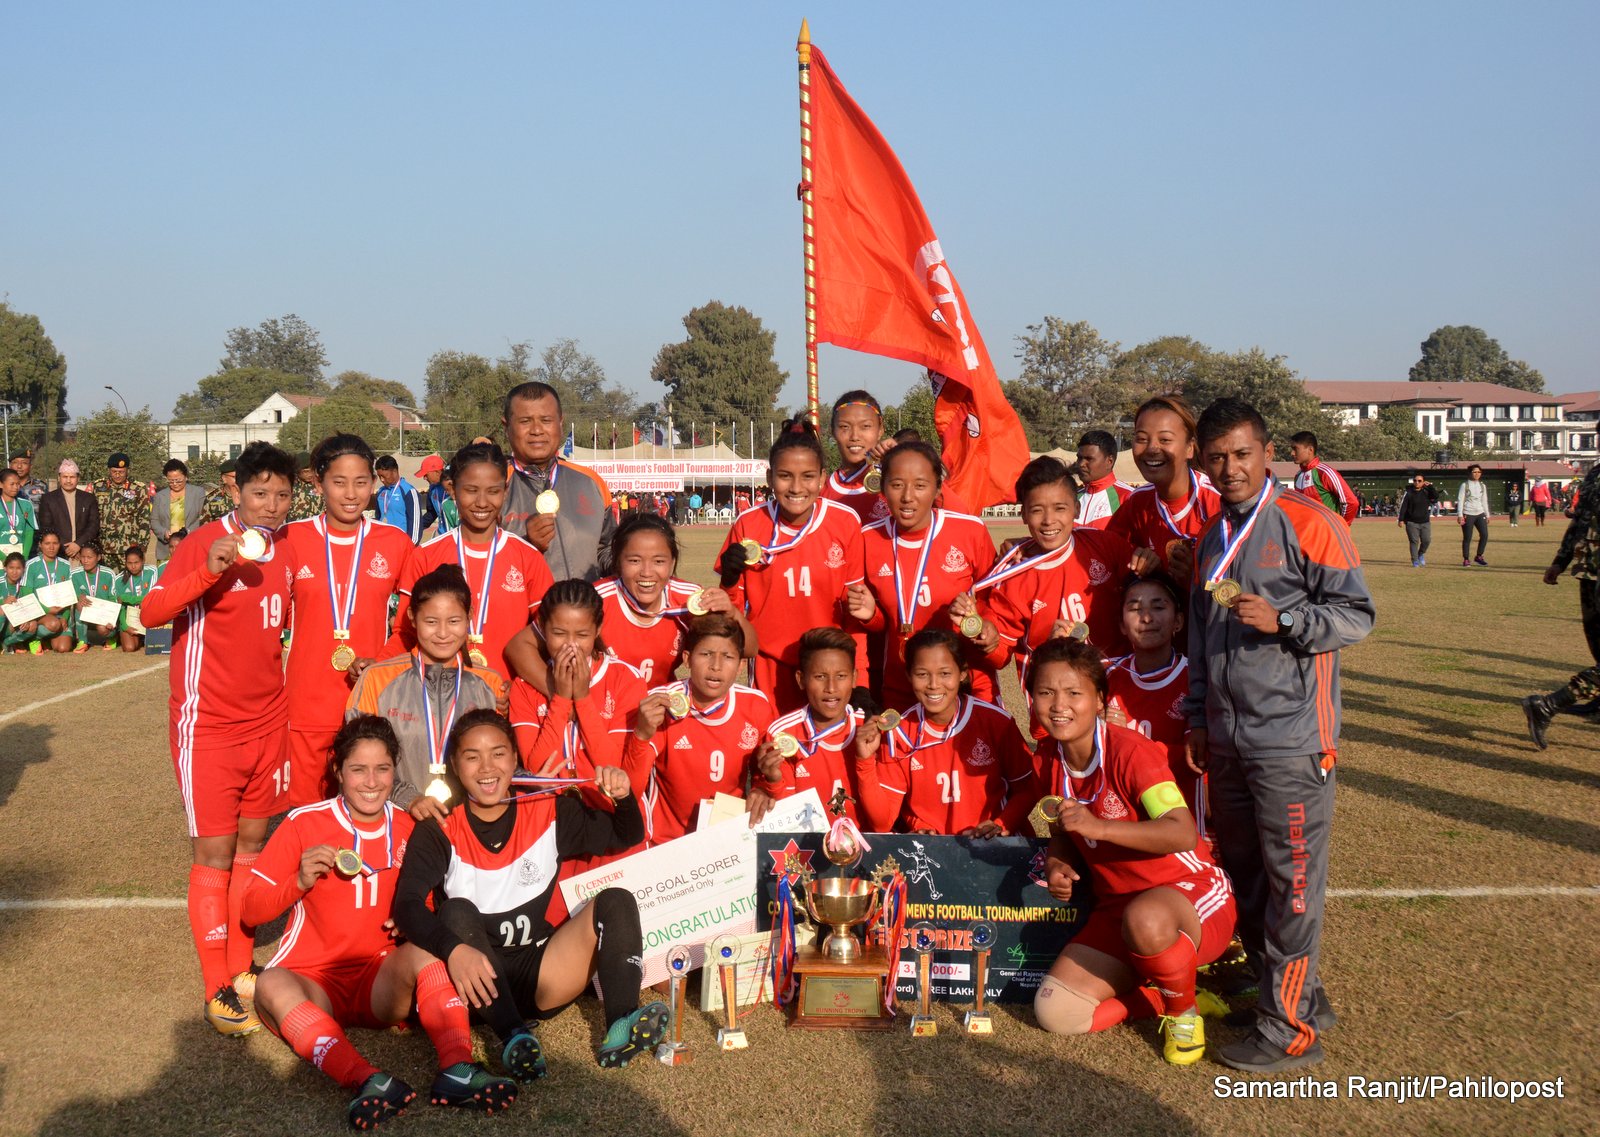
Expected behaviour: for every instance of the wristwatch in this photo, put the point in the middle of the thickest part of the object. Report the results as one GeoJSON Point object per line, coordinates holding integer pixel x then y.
{"type": "Point", "coordinates": [1285, 623]}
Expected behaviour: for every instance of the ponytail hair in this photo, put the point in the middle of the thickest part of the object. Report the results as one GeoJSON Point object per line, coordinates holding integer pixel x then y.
{"type": "Point", "coordinates": [797, 434]}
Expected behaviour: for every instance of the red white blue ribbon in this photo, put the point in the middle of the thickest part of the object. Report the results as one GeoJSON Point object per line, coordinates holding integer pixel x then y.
{"type": "Point", "coordinates": [904, 608]}
{"type": "Point", "coordinates": [367, 868]}
{"type": "Point", "coordinates": [1233, 542]}
{"type": "Point", "coordinates": [344, 610]}
{"type": "Point", "coordinates": [482, 617]}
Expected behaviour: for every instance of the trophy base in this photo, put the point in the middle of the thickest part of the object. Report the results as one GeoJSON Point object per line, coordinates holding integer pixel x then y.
{"type": "Point", "coordinates": [841, 996]}
{"type": "Point", "coordinates": [977, 1022]}
{"type": "Point", "coordinates": [732, 1039]}
{"type": "Point", "coordinates": [923, 1026]}
{"type": "Point", "coordinates": [674, 1054]}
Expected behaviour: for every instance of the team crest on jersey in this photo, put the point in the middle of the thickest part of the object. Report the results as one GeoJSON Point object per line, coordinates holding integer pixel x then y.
{"type": "Point", "coordinates": [531, 874]}
{"type": "Point", "coordinates": [981, 755]}
{"type": "Point", "coordinates": [1111, 806]}
{"type": "Point", "coordinates": [610, 709]}
{"type": "Point", "coordinates": [1039, 605]}
{"type": "Point", "coordinates": [515, 581]}
{"type": "Point", "coordinates": [378, 567]}
{"type": "Point", "coordinates": [683, 743]}
{"type": "Point", "coordinates": [880, 508]}
{"type": "Point", "coordinates": [1176, 710]}
{"type": "Point", "coordinates": [954, 561]}
{"type": "Point", "coordinates": [1098, 573]}
{"type": "Point", "coordinates": [835, 556]}
{"type": "Point", "coordinates": [884, 570]}
{"type": "Point", "coordinates": [749, 736]}
{"type": "Point", "coordinates": [305, 573]}
{"type": "Point", "coordinates": [1271, 556]}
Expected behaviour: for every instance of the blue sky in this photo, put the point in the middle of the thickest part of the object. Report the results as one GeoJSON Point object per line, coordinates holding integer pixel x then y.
{"type": "Point", "coordinates": [1330, 182]}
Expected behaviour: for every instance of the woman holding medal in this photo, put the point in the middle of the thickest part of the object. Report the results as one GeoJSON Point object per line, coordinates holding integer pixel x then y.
{"type": "Point", "coordinates": [336, 863]}
{"type": "Point", "coordinates": [345, 569]}
{"type": "Point", "coordinates": [507, 575]}
{"type": "Point", "coordinates": [917, 560]}
{"type": "Point", "coordinates": [18, 522]}
{"type": "Point", "coordinates": [490, 868]}
{"type": "Point", "coordinates": [1163, 520]}
{"type": "Point", "coordinates": [813, 748]}
{"type": "Point", "coordinates": [801, 556]}
{"type": "Point", "coordinates": [1162, 908]}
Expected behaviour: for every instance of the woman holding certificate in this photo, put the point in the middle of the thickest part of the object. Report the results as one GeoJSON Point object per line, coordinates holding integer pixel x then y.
{"type": "Point", "coordinates": [98, 612]}
{"type": "Point", "coordinates": [49, 575]}
{"type": "Point", "coordinates": [19, 609]}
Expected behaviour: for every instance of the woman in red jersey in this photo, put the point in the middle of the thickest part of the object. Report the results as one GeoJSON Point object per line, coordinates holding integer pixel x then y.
{"type": "Point", "coordinates": [1165, 518]}
{"type": "Point", "coordinates": [858, 432]}
{"type": "Point", "coordinates": [823, 730]}
{"type": "Point", "coordinates": [917, 560]}
{"type": "Point", "coordinates": [809, 557]}
{"type": "Point", "coordinates": [954, 764]}
{"type": "Point", "coordinates": [1162, 907]}
{"type": "Point", "coordinates": [336, 864]}
{"type": "Point", "coordinates": [1145, 689]}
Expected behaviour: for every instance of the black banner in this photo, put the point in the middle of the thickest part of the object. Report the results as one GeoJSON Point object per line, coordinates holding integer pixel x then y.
{"type": "Point", "coordinates": [954, 883]}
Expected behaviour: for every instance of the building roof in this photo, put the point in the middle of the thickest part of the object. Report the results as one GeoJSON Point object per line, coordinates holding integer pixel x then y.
{"type": "Point", "coordinates": [1361, 391]}
{"type": "Point", "coordinates": [1581, 402]}
{"type": "Point", "coordinates": [392, 414]}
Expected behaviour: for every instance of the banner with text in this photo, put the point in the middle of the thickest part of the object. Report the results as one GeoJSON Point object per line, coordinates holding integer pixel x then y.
{"type": "Point", "coordinates": [659, 475]}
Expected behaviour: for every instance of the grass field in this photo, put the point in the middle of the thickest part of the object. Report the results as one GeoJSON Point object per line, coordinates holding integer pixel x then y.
{"type": "Point", "coordinates": [100, 1031]}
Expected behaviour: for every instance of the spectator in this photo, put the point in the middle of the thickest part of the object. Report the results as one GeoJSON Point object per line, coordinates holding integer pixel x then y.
{"type": "Point", "coordinates": [225, 498]}
{"type": "Point", "coordinates": [305, 498]}
{"type": "Point", "coordinates": [1416, 512]}
{"type": "Point", "coordinates": [124, 512]}
{"type": "Point", "coordinates": [1472, 512]}
{"type": "Point", "coordinates": [1513, 503]}
{"type": "Point", "coordinates": [70, 513]}
{"type": "Point", "coordinates": [32, 488]}
{"type": "Point", "coordinates": [176, 507]}
{"type": "Point", "coordinates": [433, 502]}
{"type": "Point", "coordinates": [398, 502]}
{"type": "Point", "coordinates": [1539, 499]}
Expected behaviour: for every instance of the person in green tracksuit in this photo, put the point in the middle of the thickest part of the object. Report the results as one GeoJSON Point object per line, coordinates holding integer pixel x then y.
{"type": "Point", "coordinates": [93, 581]}
{"type": "Point", "coordinates": [135, 580]}
{"type": "Point", "coordinates": [24, 636]}
{"type": "Point", "coordinates": [49, 567]}
{"type": "Point", "coordinates": [18, 522]}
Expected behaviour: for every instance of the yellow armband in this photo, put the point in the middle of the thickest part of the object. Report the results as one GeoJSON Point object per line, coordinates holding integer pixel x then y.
{"type": "Point", "coordinates": [1158, 799]}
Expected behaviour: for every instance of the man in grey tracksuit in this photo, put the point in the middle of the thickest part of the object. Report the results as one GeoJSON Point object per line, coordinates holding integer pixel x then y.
{"type": "Point", "coordinates": [576, 540]}
{"type": "Point", "coordinates": [1264, 716]}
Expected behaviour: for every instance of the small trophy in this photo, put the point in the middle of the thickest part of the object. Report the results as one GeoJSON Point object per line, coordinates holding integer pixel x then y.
{"type": "Point", "coordinates": [922, 942]}
{"type": "Point", "coordinates": [724, 951]}
{"type": "Point", "coordinates": [977, 1020]}
{"type": "Point", "coordinates": [674, 1051]}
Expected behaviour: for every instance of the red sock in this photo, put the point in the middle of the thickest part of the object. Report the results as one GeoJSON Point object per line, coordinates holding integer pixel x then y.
{"type": "Point", "coordinates": [311, 1033]}
{"type": "Point", "coordinates": [443, 1015]}
{"type": "Point", "coordinates": [1140, 1003]}
{"type": "Point", "coordinates": [1172, 971]}
{"type": "Point", "coordinates": [241, 940]}
{"type": "Point", "coordinates": [208, 922]}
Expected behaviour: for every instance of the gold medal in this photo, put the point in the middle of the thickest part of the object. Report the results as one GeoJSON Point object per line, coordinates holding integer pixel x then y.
{"type": "Point", "coordinates": [907, 631]}
{"type": "Point", "coordinates": [476, 657]}
{"type": "Point", "coordinates": [788, 745]}
{"type": "Point", "coordinates": [1079, 632]}
{"type": "Point", "coordinates": [347, 862]}
{"type": "Point", "coordinates": [873, 481]}
{"type": "Point", "coordinates": [1226, 592]}
{"type": "Point", "coordinates": [972, 626]}
{"type": "Point", "coordinates": [1174, 545]}
{"type": "Point", "coordinates": [343, 656]}
{"type": "Point", "coordinates": [889, 720]}
{"type": "Point", "coordinates": [1044, 815]}
{"type": "Point", "coordinates": [438, 789]}
{"type": "Point", "coordinates": [752, 550]}
{"type": "Point", "coordinates": [697, 604]}
{"type": "Point", "coordinates": [548, 501]}
{"type": "Point", "coordinates": [252, 545]}
{"type": "Point", "coordinates": [677, 703]}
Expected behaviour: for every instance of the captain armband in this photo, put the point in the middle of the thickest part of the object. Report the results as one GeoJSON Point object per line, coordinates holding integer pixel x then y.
{"type": "Point", "coordinates": [1161, 798]}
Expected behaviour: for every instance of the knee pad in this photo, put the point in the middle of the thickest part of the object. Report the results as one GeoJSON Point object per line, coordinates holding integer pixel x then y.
{"type": "Point", "coordinates": [1061, 1010]}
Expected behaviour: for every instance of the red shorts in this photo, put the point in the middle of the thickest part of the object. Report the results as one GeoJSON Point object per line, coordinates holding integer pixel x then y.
{"type": "Point", "coordinates": [349, 988]}
{"type": "Point", "coordinates": [1209, 892]}
{"type": "Point", "coordinates": [222, 784]}
{"type": "Point", "coordinates": [308, 764]}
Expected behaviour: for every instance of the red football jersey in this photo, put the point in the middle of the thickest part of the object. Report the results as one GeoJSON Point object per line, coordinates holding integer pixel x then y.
{"type": "Point", "coordinates": [649, 644]}
{"type": "Point", "coordinates": [340, 919]}
{"type": "Point", "coordinates": [1139, 521]}
{"type": "Point", "coordinates": [1081, 581]}
{"type": "Point", "coordinates": [961, 552]}
{"type": "Point", "coordinates": [317, 692]}
{"type": "Point", "coordinates": [867, 505]}
{"type": "Point", "coordinates": [824, 763]}
{"type": "Point", "coordinates": [602, 720]}
{"type": "Point", "coordinates": [700, 755]}
{"type": "Point", "coordinates": [1153, 705]}
{"type": "Point", "coordinates": [977, 769]}
{"type": "Point", "coordinates": [521, 578]}
{"type": "Point", "coordinates": [226, 677]}
{"type": "Point", "coordinates": [800, 587]}
{"type": "Point", "coordinates": [1128, 766]}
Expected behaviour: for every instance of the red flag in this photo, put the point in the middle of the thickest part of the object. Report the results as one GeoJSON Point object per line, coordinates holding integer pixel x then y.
{"type": "Point", "coordinates": [882, 286]}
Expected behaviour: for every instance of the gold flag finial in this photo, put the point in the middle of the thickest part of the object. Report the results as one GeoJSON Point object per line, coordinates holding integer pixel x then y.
{"type": "Point", "coordinates": [804, 44]}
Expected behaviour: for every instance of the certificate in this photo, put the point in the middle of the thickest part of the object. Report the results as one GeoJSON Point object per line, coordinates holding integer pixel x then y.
{"type": "Point", "coordinates": [22, 609]}
{"type": "Point", "coordinates": [132, 623]}
{"type": "Point", "coordinates": [100, 611]}
{"type": "Point", "coordinates": [61, 594]}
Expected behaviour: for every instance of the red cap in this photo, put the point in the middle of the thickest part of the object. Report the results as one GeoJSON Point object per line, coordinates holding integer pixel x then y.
{"type": "Point", "coordinates": [432, 464]}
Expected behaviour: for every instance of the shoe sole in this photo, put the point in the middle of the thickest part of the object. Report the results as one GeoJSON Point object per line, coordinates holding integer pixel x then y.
{"type": "Point", "coordinates": [496, 1096]}
{"type": "Point", "coordinates": [530, 1069]}
{"type": "Point", "coordinates": [646, 1031]}
{"type": "Point", "coordinates": [377, 1111]}
{"type": "Point", "coordinates": [234, 1030]}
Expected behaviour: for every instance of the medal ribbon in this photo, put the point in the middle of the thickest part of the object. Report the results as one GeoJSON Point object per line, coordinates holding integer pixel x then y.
{"type": "Point", "coordinates": [1064, 780]}
{"type": "Point", "coordinates": [1009, 565]}
{"type": "Point", "coordinates": [543, 786]}
{"type": "Point", "coordinates": [922, 722]}
{"type": "Point", "coordinates": [437, 738]}
{"type": "Point", "coordinates": [549, 478]}
{"type": "Point", "coordinates": [1171, 519]}
{"type": "Point", "coordinates": [638, 607]}
{"type": "Point", "coordinates": [1231, 544]}
{"type": "Point", "coordinates": [342, 612]}
{"type": "Point", "coordinates": [13, 513]}
{"type": "Point", "coordinates": [905, 609]}
{"type": "Point", "coordinates": [813, 519]}
{"type": "Point", "coordinates": [388, 835]}
{"type": "Point", "coordinates": [476, 625]}
{"type": "Point", "coordinates": [809, 746]}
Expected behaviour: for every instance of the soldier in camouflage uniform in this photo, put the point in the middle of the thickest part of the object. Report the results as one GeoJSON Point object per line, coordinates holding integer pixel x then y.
{"type": "Point", "coordinates": [32, 488]}
{"type": "Point", "coordinates": [221, 501]}
{"type": "Point", "coordinates": [1580, 549]}
{"type": "Point", "coordinates": [306, 499]}
{"type": "Point", "coordinates": [124, 512]}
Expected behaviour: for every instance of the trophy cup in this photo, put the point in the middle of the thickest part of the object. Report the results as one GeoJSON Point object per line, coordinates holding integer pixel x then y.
{"type": "Point", "coordinates": [674, 1051]}
{"type": "Point", "coordinates": [724, 951]}
{"type": "Point", "coordinates": [977, 1020]}
{"type": "Point", "coordinates": [923, 938]}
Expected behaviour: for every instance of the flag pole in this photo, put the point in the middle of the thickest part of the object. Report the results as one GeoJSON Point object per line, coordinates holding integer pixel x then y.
{"type": "Point", "coordinates": [803, 48]}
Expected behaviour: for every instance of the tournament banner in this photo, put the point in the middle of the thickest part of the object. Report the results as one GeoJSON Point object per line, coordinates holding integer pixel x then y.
{"type": "Point", "coordinates": [952, 883]}
{"type": "Point", "coordinates": [698, 886]}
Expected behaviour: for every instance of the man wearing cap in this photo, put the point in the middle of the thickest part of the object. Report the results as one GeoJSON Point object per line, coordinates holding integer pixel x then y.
{"type": "Point", "coordinates": [124, 512]}
{"type": "Point", "coordinates": [573, 529]}
{"type": "Point", "coordinates": [225, 498]}
{"type": "Point", "coordinates": [70, 513]}
{"type": "Point", "coordinates": [433, 502]}
{"type": "Point", "coordinates": [34, 488]}
{"type": "Point", "coordinates": [306, 499]}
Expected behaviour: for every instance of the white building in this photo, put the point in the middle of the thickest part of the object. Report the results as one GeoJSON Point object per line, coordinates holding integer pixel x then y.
{"type": "Point", "coordinates": [1485, 416]}
{"type": "Point", "coordinates": [189, 441]}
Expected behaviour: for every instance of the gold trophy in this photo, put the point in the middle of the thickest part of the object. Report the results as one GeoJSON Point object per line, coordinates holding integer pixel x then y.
{"type": "Point", "coordinates": [923, 938]}
{"type": "Point", "coordinates": [674, 1051]}
{"type": "Point", "coordinates": [977, 1020]}
{"type": "Point", "coordinates": [724, 952]}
